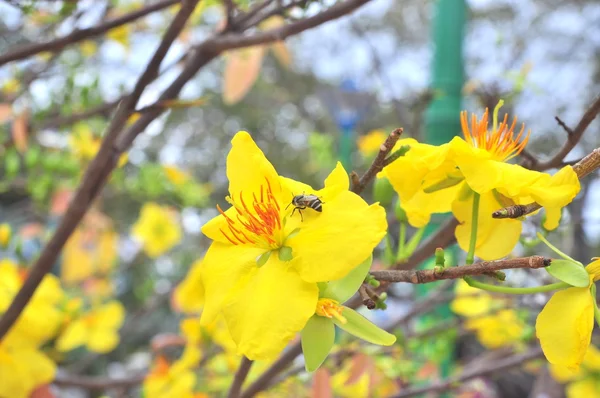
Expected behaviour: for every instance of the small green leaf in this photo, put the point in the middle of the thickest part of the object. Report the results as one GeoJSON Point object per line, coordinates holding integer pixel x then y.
{"type": "Point", "coordinates": [342, 289]}
{"type": "Point", "coordinates": [317, 339]}
{"type": "Point", "coordinates": [285, 253]}
{"type": "Point", "coordinates": [263, 258]}
{"type": "Point", "coordinates": [569, 272]}
{"type": "Point", "coordinates": [362, 328]}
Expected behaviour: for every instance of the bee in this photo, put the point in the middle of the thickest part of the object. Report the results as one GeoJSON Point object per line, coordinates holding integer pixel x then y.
{"type": "Point", "coordinates": [303, 201]}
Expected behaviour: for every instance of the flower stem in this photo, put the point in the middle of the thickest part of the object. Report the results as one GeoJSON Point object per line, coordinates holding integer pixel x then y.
{"type": "Point", "coordinates": [401, 241]}
{"type": "Point", "coordinates": [515, 290]}
{"type": "Point", "coordinates": [555, 249]}
{"type": "Point", "coordinates": [474, 222]}
{"type": "Point", "coordinates": [596, 310]}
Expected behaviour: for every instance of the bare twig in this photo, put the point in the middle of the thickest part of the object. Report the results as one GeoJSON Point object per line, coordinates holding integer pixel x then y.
{"type": "Point", "coordinates": [239, 378]}
{"type": "Point", "coordinates": [573, 138]}
{"type": "Point", "coordinates": [492, 367]}
{"type": "Point", "coordinates": [95, 176]}
{"type": "Point", "coordinates": [562, 124]}
{"type": "Point", "coordinates": [432, 275]}
{"type": "Point", "coordinates": [379, 161]}
{"type": "Point", "coordinates": [22, 51]}
{"type": "Point", "coordinates": [584, 167]}
{"type": "Point", "coordinates": [366, 298]}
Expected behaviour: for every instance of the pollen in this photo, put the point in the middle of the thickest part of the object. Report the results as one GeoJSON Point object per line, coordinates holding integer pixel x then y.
{"type": "Point", "coordinates": [331, 309]}
{"type": "Point", "coordinates": [501, 142]}
{"type": "Point", "coordinates": [257, 222]}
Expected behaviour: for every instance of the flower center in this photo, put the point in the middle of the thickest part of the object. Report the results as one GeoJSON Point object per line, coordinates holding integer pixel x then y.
{"type": "Point", "coordinates": [331, 309]}
{"type": "Point", "coordinates": [259, 224]}
{"type": "Point", "coordinates": [500, 142]}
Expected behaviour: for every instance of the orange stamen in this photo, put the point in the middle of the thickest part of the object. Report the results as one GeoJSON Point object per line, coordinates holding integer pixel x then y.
{"type": "Point", "coordinates": [258, 223]}
{"type": "Point", "coordinates": [330, 308]}
{"type": "Point", "coordinates": [501, 143]}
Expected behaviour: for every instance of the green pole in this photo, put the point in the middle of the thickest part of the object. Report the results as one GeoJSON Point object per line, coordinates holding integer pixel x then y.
{"type": "Point", "coordinates": [442, 122]}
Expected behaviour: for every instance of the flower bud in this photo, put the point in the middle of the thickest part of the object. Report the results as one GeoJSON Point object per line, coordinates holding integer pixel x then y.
{"type": "Point", "coordinates": [383, 192]}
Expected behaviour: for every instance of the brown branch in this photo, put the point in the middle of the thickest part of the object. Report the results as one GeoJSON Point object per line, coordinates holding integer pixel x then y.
{"type": "Point", "coordinates": [379, 161]}
{"type": "Point", "coordinates": [239, 378]}
{"type": "Point", "coordinates": [562, 124]}
{"type": "Point", "coordinates": [97, 383]}
{"type": "Point", "coordinates": [60, 120]}
{"type": "Point", "coordinates": [492, 367]}
{"type": "Point", "coordinates": [573, 138]}
{"type": "Point", "coordinates": [366, 298]}
{"type": "Point", "coordinates": [231, 41]}
{"type": "Point", "coordinates": [21, 51]}
{"type": "Point", "coordinates": [95, 176]}
{"type": "Point", "coordinates": [584, 167]}
{"type": "Point", "coordinates": [278, 366]}
{"type": "Point", "coordinates": [432, 275]}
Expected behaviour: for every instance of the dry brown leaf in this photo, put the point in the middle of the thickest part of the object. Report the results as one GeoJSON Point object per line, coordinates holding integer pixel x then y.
{"type": "Point", "coordinates": [321, 387]}
{"type": "Point", "coordinates": [241, 71]}
{"type": "Point", "coordinates": [5, 112]}
{"type": "Point", "coordinates": [19, 132]}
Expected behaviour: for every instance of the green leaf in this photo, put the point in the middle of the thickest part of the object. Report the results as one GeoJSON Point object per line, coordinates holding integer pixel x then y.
{"type": "Point", "coordinates": [317, 339]}
{"type": "Point", "coordinates": [342, 289]}
{"type": "Point", "coordinates": [362, 328]}
{"type": "Point", "coordinates": [569, 272]}
{"type": "Point", "coordinates": [263, 258]}
{"type": "Point", "coordinates": [285, 253]}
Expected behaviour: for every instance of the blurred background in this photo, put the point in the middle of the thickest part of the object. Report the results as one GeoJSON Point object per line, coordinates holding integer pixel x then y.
{"type": "Point", "coordinates": [331, 93]}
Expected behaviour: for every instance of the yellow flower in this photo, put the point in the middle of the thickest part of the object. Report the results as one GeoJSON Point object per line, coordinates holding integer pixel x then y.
{"type": "Point", "coordinates": [564, 326]}
{"type": "Point", "coordinates": [22, 370]}
{"type": "Point", "coordinates": [88, 48]}
{"type": "Point", "coordinates": [167, 380]}
{"type": "Point", "coordinates": [469, 301]}
{"type": "Point", "coordinates": [11, 86]}
{"type": "Point", "coordinates": [42, 317]}
{"type": "Point", "coordinates": [175, 175]}
{"type": "Point", "coordinates": [120, 34]}
{"type": "Point", "coordinates": [499, 329]}
{"type": "Point", "coordinates": [157, 228]}
{"type": "Point", "coordinates": [584, 382]}
{"type": "Point", "coordinates": [346, 384]}
{"type": "Point", "coordinates": [85, 145]}
{"type": "Point", "coordinates": [370, 143]}
{"type": "Point", "coordinates": [96, 329]}
{"type": "Point", "coordinates": [189, 294]}
{"type": "Point", "coordinates": [262, 269]}
{"type": "Point", "coordinates": [5, 234]}
{"type": "Point", "coordinates": [88, 252]}
{"type": "Point", "coordinates": [438, 179]}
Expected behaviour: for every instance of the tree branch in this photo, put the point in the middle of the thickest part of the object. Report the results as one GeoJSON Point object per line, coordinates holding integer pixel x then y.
{"type": "Point", "coordinates": [95, 176]}
{"type": "Point", "coordinates": [97, 383]}
{"type": "Point", "coordinates": [21, 51]}
{"type": "Point", "coordinates": [432, 275]}
{"type": "Point", "coordinates": [379, 161]}
{"type": "Point", "coordinates": [492, 367]}
{"type": "Point", "coordinates": [240, 376]}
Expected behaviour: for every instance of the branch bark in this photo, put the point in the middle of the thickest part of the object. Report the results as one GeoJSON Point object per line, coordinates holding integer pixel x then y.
{"type": "Point", "coordinates": [432, 275]}
{"type": "Point", "coordinates": [239, 378]}
{"type": "Point", "coordinates": [77, 35]}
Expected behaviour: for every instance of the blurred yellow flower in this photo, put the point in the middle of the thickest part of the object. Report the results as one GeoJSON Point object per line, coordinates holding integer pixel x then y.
{"type": "Point", "coordinates": [120, 34]}
{"type": "Point", "coordinates": [166, 380]}
{"type": "Point", "coordinates": [11, 86]}
{"type": "Point", "coordinates": [85, 144]}
{"type": "Point", "coordinates": [584, 382]}
{"type": "Point", "coordinates": [262, 269]}
{"type": "Point", "coordinates": [348, 385]}
{"type": "Point", "coordinates": [370, 143]}
{"type": "Point", "coordinates": [96, 329]}
{"type": "Point", "coordinates": [565, 325]}
{"type": "Point", "coordinates": [189, 295]}
{"type": "Point", "coordinates": [5, 234]}
{"type": "Point", "coordinates": [22, 370]}
{"type": "Point", "coordinates": [438, 179]}
{"type": "Point", "coordinates": [470, 301]}
{"type": "Point", "coordinates": [175, 175]}
{"type": "Point", "coordinates": [157, 228]}
{"type": "Point", "coordinates": [88, 252]}
{"type": "Point", "coordinates": [502, 328]}
{"type": "Point", "coordinates": [88, 48]}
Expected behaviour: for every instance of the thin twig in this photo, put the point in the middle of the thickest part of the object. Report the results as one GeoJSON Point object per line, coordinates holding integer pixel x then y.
{"type": "Point", "coordinates": [239, 378]}
{"type": "Point", "coordinates": [97, 383]}
{"type": "Point", "coordinates": [95, 176]}
{"type": "Point", "coordinates": [562, 124]}
{"type": "Point", "coordinates": [366, 298]}
{"type": "Point", "coordinates": [432, 275]}
{"type": "Point", "coordinates": [21, 51]}
{"type": "Point", "coordinates": [379, 161]}
{"type": "Point", "coordinates": [492, 367]}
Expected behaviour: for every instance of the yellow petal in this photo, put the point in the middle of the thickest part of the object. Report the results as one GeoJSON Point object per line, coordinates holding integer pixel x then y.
{"type": "Point", "coordinates": [422, 205]}
{"type": "Point", "coordinates": [103, 340]}
{"type": "Point", "coordinates": [270, 309]}
{"type": "Point", "coordinates": [553, 216]}
{"type": "Point", "coordinates": [584, 388]}
{"type": "Point", "coordinates": [470, 301]}
{"type": "Point", "coordinates": [496, 238]}
{"type": "Point", "coordinates": [593, 269]}
{"type": "Point", "coordinates": [564, 326]}
{"type": "Point", "coordinates": [333, 243]}
{"type": "Point", "coordinates": [224, 267]}
{"type": "Point", "coordinates": [557, 190]}
{"type": "Point", "coordinates": [111, 315]}
{"type": "Point", "coordinates": [74, 335]}
{"type": "Point", "coordinates": [189, 295]}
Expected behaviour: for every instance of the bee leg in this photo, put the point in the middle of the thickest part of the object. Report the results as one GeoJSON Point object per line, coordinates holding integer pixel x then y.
{"type": "Point", "coordinates": [286, 207]}
{"type": "Point", "coordinates": [301, 216]}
